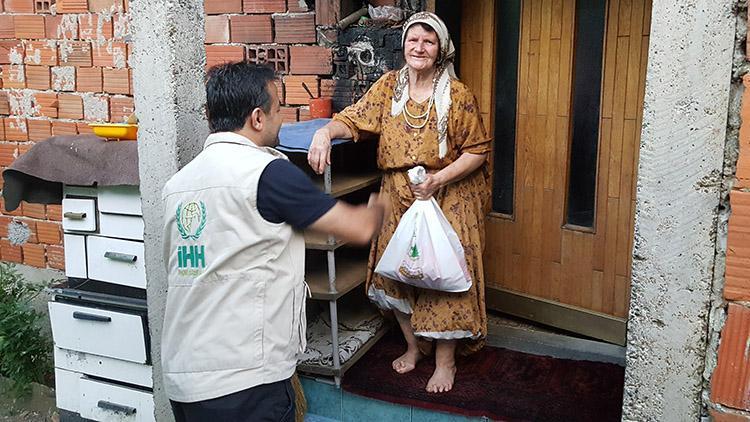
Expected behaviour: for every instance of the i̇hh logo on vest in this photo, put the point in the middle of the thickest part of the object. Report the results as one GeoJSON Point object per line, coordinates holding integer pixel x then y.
{"type": "Point", "coordinates": [191, 220]}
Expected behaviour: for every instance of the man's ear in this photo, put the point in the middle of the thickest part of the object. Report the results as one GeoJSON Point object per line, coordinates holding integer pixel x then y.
{"type": "Point", "coordinates": [257, 118]}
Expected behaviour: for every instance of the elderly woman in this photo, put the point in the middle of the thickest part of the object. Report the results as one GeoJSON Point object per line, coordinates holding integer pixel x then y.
{"type": "Point", "coordinates": [425, 116]}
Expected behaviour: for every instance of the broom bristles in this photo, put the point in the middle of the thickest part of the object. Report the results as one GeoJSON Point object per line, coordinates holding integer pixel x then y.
{"type": "Point", "coordinates": [299, 399]}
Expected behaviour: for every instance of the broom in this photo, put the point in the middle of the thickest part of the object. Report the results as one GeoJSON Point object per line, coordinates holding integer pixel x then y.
{"type": "Point", "coordinates": [299, 399]}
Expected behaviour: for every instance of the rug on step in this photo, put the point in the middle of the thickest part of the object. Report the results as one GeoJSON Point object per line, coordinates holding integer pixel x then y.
{"type": "Point", "coordinates": [498, 383]}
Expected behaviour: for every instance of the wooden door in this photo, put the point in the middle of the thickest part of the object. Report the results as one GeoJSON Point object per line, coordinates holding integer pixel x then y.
{"type": "Point", "coordinates": [561, 85]}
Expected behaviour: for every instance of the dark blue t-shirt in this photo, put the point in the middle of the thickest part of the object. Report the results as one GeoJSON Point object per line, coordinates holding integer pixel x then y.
{"type": "Point", "coordinates": [287, 195]}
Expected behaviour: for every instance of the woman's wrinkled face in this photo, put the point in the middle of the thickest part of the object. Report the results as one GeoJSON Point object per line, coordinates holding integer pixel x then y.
{"type": "Point", "coordinates": [421, 48]}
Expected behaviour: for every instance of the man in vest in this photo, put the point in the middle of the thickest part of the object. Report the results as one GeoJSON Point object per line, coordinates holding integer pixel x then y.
{"type": "Point", "coordinates": [235, 254]}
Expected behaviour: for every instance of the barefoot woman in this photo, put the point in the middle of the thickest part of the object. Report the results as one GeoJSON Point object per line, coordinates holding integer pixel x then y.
{"type": "Point", "coordinates": [425, 116]}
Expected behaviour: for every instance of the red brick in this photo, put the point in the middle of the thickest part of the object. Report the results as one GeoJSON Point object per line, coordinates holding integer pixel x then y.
{"type": "Point", "coordinates": [7, 28]}
{"type": "Point", "coordinates": [33, 210]}
{"type": "Point", "coordinates": [89, 24]}
{"type": "Point", "coordinates": [4, 221]}
{"type": "Point", "coordinates": [279, 90]}
{"type": "Point", "coordinates": [110, 57]}
{"type": "Point", "coordinates": [304, 114]}
{"type": "Point", "coordinates": [75, 53]}
{"type": "Point", "coordinates": [54, 212]}
{"type": "Point", "coordinates": [48, 103]}
{"type": "Point", "coordinates": [310, 60]}
{"type": "Point", "coordinates": [737, 283]}
{"type": "Point", "coordinates": [84, 128]}
{"type": "Point", "coordinates": [289, 114]}
{"type": "Point", "coordinates": [41, 53]}
{"type": "Point", "coordinates": [55, 30]}
{"type": "Point", "coordinates": [4, 103]}
{"type": "Point", "coordinates": [14, 76]}
{"type": "Point", "coordinates": [327, 12]}
{"type": "Point", "coordinates": [8, 153]}
{"type": "Point", "coordinates": [216, 7]}
{"type": "Point", "coordinates": [217, 29]}
{"type": "Point", "coordinates": [730, 383]}
{"type": "Point", "coordinates": [275, 55]}
{"type": "Point", "coordinates": [39, 130]}
{"type": "Point", "coordinates": [120, 108]}
{"type": "Point", "coordinates": [63, 128]}
{"type": "Point", "coordinates": [117, 81]}
{"type": "Point", "coordinates": [294, 91]}
{"type": "Point", "coordinates": [16, 212]}
{"type": "Point", "coordinates": [295, 6]}
{"type": "Point", "coordinates": [2, 137]}
{"type": "Point", "coordinates": [24, 148]}
{"type": "Point", "coordinates": [29, 26]}
{"type": "Point", "coordinates": [743, 164]}
{"type": "Point", "coordinates": [216, 54]}
{"type": "Point", "coordinates": [70, 106]}
{"type": "Point", "coordinates": [19, 6]}
{"type": "Point", "coordinates": [43, 6]}
{"type": "Point", "coordinates": [295, 28]}
{"type": "Point", "coordinates": [10, 253]}
{"type": "Point", "coordinates": [263, 6]}
{"type": "Point", "coordinates": [56, 257]}
{"type": "Point", "coordinates": [72, 6]}
{"type": "Point", "coordinates": [38, 77]}
{"type": "Point", "coordinates": [48, 232]}
{"type": "Point", "coordinates": [104, 5]}
{"type": "Point", "coordinates": [15, 129]}
{"type": "Point", "coordinates": [251, 29]}
{"type": "Point", "coordinates": [33, 255]}
{"type": "Point", "coordinates": [89, 79]}
{"type": "Point", "coordinates": [8, 49]}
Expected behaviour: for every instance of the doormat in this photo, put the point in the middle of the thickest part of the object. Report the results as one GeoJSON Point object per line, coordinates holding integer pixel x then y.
{"type": "Point", "coordinates": [498, 383]}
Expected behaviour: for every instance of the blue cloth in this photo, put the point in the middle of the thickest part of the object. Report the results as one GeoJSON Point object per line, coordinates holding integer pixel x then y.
{"type": "Point", "coordinates": [287, 195]}
{"type": "Point", "coordinates": [296, 137]}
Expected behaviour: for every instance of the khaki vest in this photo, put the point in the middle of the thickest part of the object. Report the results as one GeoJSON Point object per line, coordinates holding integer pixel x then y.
{"type": "Point", "coordinates": [235, 306]}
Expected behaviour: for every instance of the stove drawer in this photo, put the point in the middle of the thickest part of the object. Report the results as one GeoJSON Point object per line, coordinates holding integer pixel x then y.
{"type": "Point", "coordinates": [75, 256]}
{"type": "Point", "coordinates": [100, 400]}
{"type": "Point", "coordinates": [79, 215]}
{"type": "Point", "coordinates": [104, 367]}
{"type": "Point", "coordinates": [121, 226]}
{"type": "Point", "coordinates": [116, 261]}
{"type": "Point", "coordinates": [119, 200]}
{"type": "Point", "coordinates": [98, 331]}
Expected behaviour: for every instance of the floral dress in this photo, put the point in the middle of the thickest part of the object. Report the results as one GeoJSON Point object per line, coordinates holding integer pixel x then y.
{"type": "Point", "coordinates": [434, 314]}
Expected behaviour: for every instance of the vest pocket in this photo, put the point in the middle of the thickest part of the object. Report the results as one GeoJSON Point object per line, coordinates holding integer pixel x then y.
{"type": "Point", "coordinates": [218, 326]}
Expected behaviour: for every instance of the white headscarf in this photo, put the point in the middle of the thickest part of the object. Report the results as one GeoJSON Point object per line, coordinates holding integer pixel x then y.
{"type": "Point", "coordinates": [442, 86]}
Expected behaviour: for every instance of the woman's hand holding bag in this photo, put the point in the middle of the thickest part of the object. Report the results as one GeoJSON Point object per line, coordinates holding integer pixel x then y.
{"type": "Point", "coordinates": [425, 251]}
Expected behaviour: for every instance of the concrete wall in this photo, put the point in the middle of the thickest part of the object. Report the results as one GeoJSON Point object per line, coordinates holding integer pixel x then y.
{"type": "Point", "coordinates": [678, 198]}
{"type": "Point", "coordinates": [168, 62]}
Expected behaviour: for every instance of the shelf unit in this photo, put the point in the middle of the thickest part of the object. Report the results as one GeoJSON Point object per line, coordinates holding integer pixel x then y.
{"type": "Point", "coordinates": [340, 274]}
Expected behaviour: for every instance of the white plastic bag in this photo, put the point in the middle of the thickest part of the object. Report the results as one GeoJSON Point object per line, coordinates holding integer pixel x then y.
{"type": "Point", "coordinates": [425, 251]}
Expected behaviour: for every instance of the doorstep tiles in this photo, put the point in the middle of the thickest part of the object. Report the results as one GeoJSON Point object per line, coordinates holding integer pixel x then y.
{"type": "Point", "coordinates": [322, 399]}
{"type": "Point", "coordinates": [360, 409]}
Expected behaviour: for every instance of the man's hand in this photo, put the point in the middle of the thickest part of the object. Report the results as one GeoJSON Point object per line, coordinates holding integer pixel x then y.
{"type": "Point", "coordinates": [319, 154]}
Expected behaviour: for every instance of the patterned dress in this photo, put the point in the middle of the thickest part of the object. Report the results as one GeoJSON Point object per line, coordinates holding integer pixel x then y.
{"type": "Point", "coordinates": [434, 314]}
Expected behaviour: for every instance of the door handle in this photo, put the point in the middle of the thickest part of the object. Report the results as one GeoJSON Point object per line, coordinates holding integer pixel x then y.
{"type": "Point", "coordinates": [91, 317]}
{"type": "Point", "coordinates": [75, 215]}
{"type": "Point", "coordinates": [118, 256]}
{"type": "Point", "coordinates": [119, 408]}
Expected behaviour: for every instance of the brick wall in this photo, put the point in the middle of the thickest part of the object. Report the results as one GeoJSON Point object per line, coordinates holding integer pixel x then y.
{"type": "Point", "coordinates": [63, 64]}
{"type": "Point", "coordinates": [730, 383]}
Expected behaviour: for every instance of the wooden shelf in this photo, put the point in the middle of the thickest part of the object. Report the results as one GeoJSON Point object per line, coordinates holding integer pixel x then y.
{"type": "Point", "coordinates": [319, 241]}
{"type": "Point", "coordinates": [330, 371]}
{"type": "Point", "coordinates": [341, 184]}
{"type": "Point", "coordinates": [350, 273]}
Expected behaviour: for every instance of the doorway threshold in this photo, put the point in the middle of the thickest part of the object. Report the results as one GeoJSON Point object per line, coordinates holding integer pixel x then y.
{"type": "Point", "coordinates": [521, 336]}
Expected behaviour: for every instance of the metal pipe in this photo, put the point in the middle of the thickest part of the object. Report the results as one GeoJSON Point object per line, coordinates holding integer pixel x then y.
{"type": "Point", "coordinates": [354, 17]}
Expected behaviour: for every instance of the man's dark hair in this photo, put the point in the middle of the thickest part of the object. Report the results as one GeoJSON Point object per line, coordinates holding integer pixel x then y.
{"type": "Point", "coordinates": [233, 91]}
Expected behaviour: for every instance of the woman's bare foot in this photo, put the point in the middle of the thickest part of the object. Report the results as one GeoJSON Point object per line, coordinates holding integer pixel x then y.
{"type": "Point", "coordinates": [408, 361]}
{"type": "Point", "coordinates": [442, 379]}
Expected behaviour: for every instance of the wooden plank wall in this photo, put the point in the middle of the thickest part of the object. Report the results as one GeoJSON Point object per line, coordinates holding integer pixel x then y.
{"type": "Point", "coordinates": [477, 51]}
{"type": "Point", "coordinates": [532, 253]}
